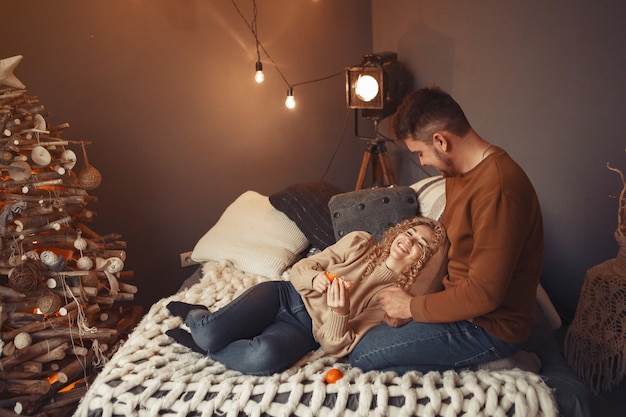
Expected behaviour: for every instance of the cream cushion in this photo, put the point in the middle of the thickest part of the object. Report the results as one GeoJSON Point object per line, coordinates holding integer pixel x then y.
{"type": "Point", "coordinates": [254, 236]}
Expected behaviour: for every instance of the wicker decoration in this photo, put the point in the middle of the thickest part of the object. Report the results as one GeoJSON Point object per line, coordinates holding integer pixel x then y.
{"type": "Point", "coordinates": [25, 277]}
{"type": "Point", "coordinates": [49, 303]}
{"type": "Point", "coordinates": [89, 177]}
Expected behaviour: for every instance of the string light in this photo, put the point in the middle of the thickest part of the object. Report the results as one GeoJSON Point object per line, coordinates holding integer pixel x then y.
{"type": "Point", "coordinates": [290, 101]}
{"type": "Point", "coordinates": [259, 77]}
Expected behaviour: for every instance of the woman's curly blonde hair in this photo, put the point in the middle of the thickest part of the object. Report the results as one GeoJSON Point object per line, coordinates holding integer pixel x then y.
{"type": "Point", "coordinates": [383, 248]}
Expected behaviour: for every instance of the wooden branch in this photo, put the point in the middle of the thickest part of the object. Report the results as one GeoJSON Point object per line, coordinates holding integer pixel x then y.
{"type": "Point", "coordinates": [33, 221]}
{"type": "Point", "coordinates": [33, 327]}
{"type": "Point", "coordinates": [25, 305]}
{"type": "Point", "coordinates": [28, 367]}
{"type": "Point", "coordinates": [6, 413]}
{"type": "Point", "coordinates": [25, 386]}
{"type": "Point", "coordinates": [45, 199]}
{"type": "Point", "coordinates": [102, 334]}
{"type": "Point", "coordinates": [31, 352]}
{"type": "Point", "coordinates": [72, 396]}
{"type": "Point", "coordinates": [621, 202]}
{"type": "Point", "coordinates": [55, 354]}
{"type": "Point", "coordinates": [6, 292]}
{"type": "Point", "coordinates": [76, 369]}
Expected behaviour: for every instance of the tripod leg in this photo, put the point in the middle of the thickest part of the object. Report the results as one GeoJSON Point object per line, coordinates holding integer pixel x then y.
{"type": "Point", "coordinates": [364, 163]}
{"type": "Point", "coordinates": [387, 172]}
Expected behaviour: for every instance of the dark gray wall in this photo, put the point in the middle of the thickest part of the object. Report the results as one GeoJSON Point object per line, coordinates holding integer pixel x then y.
{"type": "Point", "coordinates": [544, 80]}
{"type": "Point", "coordinates": [165, 90]}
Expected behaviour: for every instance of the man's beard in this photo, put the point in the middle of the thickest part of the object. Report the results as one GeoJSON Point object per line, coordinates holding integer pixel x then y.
{"type": "Point", "coordinates": [447, 169]}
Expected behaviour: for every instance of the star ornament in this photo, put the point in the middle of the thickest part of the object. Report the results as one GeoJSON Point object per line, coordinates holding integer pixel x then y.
{"type": "Point", "coordinates": [7, 66]}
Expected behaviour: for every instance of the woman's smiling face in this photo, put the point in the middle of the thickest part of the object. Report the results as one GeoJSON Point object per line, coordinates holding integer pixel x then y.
{"type": "Point", "coordinates": [407, 248]}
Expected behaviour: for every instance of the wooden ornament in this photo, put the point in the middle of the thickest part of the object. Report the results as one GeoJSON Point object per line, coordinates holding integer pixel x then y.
{"type": "Point", "coordinates": [40, 156]}
{"type": "Point", "coordinates": [22, 340]}
{"type": "Point", "coordinates": [19, 171]}
{"type": "Point", "coordinates": [101, 264]}
{"type": "Point", "coordinates": [69, 159]}
{"type": "Point", "coordinates": [49, 303]}
{"type": "Point", "coordinates": [7, 66]}
{"type": "Point", "coordinates": [40, 122]}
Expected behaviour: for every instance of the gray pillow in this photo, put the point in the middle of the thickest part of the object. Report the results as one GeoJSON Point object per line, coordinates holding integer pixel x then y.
{"type": "Point", "coordinates": [372, 210]}
{"type": "Point", "coordinates": [306, 204]}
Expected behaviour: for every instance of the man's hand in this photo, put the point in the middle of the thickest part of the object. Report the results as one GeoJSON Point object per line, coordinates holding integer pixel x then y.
{"type": "Point", "coordinates": [395, 302]}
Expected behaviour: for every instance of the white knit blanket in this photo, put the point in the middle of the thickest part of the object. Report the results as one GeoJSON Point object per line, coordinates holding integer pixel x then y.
{"type": "Point", "coordinates": [150, 375]}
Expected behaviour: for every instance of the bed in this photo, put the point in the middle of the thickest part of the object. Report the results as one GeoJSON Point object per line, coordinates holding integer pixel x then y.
{"type": "Point", "coordinates": [258, 238]}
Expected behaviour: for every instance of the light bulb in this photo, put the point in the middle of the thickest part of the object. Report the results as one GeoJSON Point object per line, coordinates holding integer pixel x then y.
{"type": "Point", "coordinates": [366, 87]}
{"type": "Point", "coordinates": [290, 102]}
{"type": "Point", "coordinates": [258, 75]}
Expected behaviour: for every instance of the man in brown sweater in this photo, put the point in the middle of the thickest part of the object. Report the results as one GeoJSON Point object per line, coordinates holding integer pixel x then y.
{"type": "Point", "coordinates": [494, 225]}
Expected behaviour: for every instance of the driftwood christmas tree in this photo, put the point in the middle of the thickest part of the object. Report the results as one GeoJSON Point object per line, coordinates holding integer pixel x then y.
{"type": "Point", "coordinates": [64, 293]}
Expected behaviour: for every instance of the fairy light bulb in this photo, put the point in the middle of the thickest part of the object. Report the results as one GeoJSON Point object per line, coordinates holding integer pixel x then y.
{"type": "Point", "coordinates": [259, 77]}
{"type": "Point", "coordinates": [290, 102]}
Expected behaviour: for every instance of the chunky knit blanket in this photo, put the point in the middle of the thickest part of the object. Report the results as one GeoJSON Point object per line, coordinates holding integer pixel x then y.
{"type": "Point", "coordinates": [151, 375]}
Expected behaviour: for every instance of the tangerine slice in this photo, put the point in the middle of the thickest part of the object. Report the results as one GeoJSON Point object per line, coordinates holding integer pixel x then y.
{"type": "Point", "coordinates": [332, 277]}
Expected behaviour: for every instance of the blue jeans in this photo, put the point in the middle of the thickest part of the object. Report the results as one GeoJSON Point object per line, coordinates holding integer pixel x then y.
{"type": "Point", "coordinates": [263, 331]}
{"type": "Point", "coordinates": [428, 347]}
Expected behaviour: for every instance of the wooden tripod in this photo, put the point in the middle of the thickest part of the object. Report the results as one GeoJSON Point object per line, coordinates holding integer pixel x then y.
{"type": "Point", "coordinates": [377, 149]}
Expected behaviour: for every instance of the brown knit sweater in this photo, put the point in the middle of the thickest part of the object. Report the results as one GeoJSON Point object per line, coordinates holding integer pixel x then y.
{"type": "Point", "coordinates": [494, 225]}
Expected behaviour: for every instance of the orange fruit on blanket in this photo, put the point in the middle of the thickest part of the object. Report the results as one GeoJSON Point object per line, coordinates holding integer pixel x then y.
{"type": "Point", "coordinates": [333, 376]}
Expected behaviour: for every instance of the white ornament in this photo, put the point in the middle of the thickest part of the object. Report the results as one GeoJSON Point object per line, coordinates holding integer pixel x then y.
{"type": "Point", "coordinates": [101, 263]}
{"type": "Point", "coordinates": [30, 255]}
{"type": "Point", "coordinates": [84, 263]}
{"type": "Point", "coordinates": [114, 265]}
{"type": "Point", "coordinates": [40, 156]}
{"type": "Point", "coordinates": [80, 243]}
{"type": "Point", "coordinates": [49, 258]}
{"type": "Point", "coordinates": [69, 156]}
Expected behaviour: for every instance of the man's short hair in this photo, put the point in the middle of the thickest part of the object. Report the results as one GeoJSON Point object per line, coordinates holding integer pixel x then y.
{"type": "Point", "coordinates": [426, 111]}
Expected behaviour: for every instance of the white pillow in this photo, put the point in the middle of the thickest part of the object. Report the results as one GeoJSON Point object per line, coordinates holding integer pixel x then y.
{"type": "Point", "coordinates": [431, 196]}
{"type": "Point", "coordinates": [254, 236]}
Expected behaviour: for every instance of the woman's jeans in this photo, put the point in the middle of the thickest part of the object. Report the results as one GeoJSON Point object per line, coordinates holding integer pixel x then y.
{"type": "Point", "coordinates": [263, 331]}
{"type": "Point", "coordinates": [428, 347]}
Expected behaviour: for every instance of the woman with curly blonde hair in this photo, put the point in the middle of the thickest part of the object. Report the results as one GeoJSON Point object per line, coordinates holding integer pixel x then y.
{"type": "Point", "coordinates": [330, 301]}
{"type": "Point", "coordinates": [408, 276]}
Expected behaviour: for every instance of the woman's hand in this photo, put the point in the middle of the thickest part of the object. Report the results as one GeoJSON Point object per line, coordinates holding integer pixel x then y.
{"type": "Point", "coordinates": [321, 283]}
{"type": "Point", "coordinates": [338, 297]}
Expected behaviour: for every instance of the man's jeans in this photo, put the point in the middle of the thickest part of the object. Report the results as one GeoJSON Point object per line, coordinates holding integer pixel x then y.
{"type": "Point", "coordinates": [264, 330]}
{"type": "Point", "coordinates": [428, 347]}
